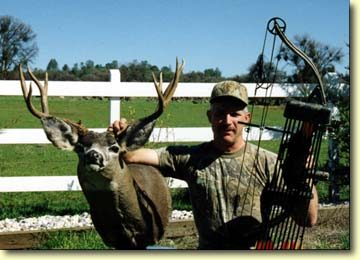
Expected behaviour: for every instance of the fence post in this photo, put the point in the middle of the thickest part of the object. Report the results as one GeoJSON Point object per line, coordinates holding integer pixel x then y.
{"type": "Point", "coordinates": [115, 77]}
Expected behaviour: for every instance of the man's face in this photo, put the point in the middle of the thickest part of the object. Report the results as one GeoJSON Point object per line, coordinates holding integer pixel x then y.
{"type": "Point", "coordinates": [224, 118]}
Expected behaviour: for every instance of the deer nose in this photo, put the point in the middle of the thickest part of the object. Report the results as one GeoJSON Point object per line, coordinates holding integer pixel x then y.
{"type": "Point", "coordinates": [94, 157]}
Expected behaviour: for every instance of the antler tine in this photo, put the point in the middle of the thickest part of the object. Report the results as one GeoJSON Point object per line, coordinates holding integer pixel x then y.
{"type": "Point", "coordinates": [158, 85]}
{"type": "Point", "coordinates": [165, 98]}
{"type": "Point", "coordinates": [27, 96]}
{"type": "Point", "coordinates": [43, 91]}
{"type": "Point", "coordinates": [170, 90]}
{"type": "Point", "coordinates": [44, 99]}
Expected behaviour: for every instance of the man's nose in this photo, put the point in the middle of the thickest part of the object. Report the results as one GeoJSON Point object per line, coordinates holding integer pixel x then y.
{"type": "Point", "coordinates": [226, 119]}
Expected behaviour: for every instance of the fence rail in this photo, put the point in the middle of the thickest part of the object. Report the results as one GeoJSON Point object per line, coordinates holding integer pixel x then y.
{"type": "Point", "coordinates": [115, 90]}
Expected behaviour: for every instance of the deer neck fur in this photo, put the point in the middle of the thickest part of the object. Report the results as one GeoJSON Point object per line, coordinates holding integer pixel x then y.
{"type": "Point", "coordinates": [116, 180]}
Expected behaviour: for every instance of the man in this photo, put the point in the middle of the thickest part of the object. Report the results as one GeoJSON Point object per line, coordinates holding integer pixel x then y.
{"type": "Point", "coordinates": [225, 176]}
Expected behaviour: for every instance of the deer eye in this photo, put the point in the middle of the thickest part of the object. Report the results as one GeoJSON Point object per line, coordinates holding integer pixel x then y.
{"type": "Point", "coordinates": [114, 148]}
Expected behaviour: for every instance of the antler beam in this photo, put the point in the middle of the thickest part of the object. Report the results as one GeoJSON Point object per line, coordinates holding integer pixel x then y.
{"type": "Point", "coordinates": [28, 92]}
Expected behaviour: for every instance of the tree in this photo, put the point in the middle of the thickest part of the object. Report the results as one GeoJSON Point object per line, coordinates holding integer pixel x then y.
{"type": "Point", "coordinates": [263, 71]}
{"type": "Point", "coordinates": [167, 73]}
{"type": "Point", "coordinates": [323, 56]}
{"type": "Point", "coordinates": [113, 65]}
{"type": "Point", "coordinates": [212, 75]}
{"type": "Point", "coordinates": [52, 65]}
{"type": "Point", "coordinates": [90, 64]}
{"type": "Point", "coordinates": [338, 164]}
{"type": "Point", "coordinates": [66, 68]}
{"type": "Point", "coordinates": [338, 95]}
{"type": "Point", "coordinates": [17, 44]}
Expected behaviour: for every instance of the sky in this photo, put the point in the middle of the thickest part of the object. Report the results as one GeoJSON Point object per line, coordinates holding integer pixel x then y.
{"type": "Point", "coordinates": [224, 34]}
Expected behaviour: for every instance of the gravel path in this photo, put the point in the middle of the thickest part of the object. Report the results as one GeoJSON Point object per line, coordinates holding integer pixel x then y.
{"type": "Point", "coordinates": [56, 222]}
{"type": "Point", "coordinates": [82, 220]}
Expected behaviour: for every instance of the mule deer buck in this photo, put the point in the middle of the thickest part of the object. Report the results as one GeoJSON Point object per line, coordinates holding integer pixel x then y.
{"type": "Point", "coordinates": [129, 204]}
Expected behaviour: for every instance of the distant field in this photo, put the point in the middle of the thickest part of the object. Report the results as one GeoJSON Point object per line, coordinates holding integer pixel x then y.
{"type": "Point", "coordinates": [95, 113]}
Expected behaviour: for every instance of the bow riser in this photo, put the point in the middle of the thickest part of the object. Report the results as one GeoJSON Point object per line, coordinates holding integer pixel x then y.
{"type": "Point", "coordinates": [293, 178]}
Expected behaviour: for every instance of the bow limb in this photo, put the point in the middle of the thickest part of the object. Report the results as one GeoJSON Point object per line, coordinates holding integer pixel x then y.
{"type": "Point", "coordinates": [277, 30]}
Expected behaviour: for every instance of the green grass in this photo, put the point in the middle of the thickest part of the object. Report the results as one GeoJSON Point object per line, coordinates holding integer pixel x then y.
{"type": "Point", "coordinates": [338, 242]}
{"type": "Point", "coordinates": [34, 204]}
{"type": "Point", "coordinates": [94, 113]}
{"type": "Point", "coordinates": [14, 113]}
{"type": "Point", "coordinates": [34, 160]}
{"type": "Point", "coordinates": [72, 240]}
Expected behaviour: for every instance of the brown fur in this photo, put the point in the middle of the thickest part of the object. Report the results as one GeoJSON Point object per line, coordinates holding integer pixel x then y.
{"type": "Point", "coordinates": [129, 205]}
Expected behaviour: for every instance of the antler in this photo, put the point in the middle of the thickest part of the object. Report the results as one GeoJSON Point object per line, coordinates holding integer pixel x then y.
{"type": "Point", "coordinates": [164, 99]}
{"type": "Point", "coordinates": [28, 92]}
{"type": "Point", "coordinates": [44, 99]}
{"type": "Point", "coordinates": [139, 132]}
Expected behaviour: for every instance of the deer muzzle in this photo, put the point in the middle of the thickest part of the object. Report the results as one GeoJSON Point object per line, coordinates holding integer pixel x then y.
{"type": "Point", "coordinates": [94, 160]}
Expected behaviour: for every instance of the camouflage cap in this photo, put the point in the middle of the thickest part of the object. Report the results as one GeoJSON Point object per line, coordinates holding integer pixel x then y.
{"type": "Point", "coordinates": [229, 88]}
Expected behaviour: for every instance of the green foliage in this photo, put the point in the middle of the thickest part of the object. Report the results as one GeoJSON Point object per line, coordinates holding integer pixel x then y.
{"type": "Point", "coordinates": [52, 65]}
{"type": "Point", "coordinates": [17, 45]}
{"type": "Point", "coordinates": [264, 71]}
{"type": "Point", "coordinates": [209, 75]}
{"type": "Point", "coordinates": [338, 94]}
{"type": "Point", "coordinates": [135, 71]}
{"type": "Point", "coordinates": [323, 55]}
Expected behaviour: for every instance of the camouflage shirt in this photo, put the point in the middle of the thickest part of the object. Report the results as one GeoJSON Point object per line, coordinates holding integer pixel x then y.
{"type": "Point", "coordinates": [222, 186]}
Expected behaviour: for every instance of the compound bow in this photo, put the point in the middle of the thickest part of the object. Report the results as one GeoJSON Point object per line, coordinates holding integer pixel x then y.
{"type": "Point", "coordinates": [293, 178]}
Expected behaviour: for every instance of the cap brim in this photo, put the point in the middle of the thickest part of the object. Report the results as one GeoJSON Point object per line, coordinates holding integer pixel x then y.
{"type": "Point", "coordinates": [228, 98]}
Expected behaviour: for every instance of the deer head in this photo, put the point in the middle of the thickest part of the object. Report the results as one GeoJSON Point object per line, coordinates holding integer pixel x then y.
{"type": "Point", "coordinates": [96, 149]}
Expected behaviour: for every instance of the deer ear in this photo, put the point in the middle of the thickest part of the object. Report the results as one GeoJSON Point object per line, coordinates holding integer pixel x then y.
{"type": "Point", "coordinates": [60, 133]}
{"type": "Point", "coordinates": [137, 134]}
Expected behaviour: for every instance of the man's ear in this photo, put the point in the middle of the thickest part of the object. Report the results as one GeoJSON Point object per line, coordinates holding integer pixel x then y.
{"type": "Point", "coordinates": [247, 117]}
{"type": "Point", "coordinates": [61, 134]}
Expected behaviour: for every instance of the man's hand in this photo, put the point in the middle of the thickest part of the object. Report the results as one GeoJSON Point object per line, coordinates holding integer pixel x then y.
{"type": "Point", "coordinates": [311, 212]}
{"type": "Point", "coordinates": [118, 126]}
{"type": "Point", "coordinates": [142, 155]}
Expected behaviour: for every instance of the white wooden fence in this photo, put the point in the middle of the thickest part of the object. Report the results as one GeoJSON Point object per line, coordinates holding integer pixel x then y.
{"type": "Point", "coordinates": [114, 89]}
